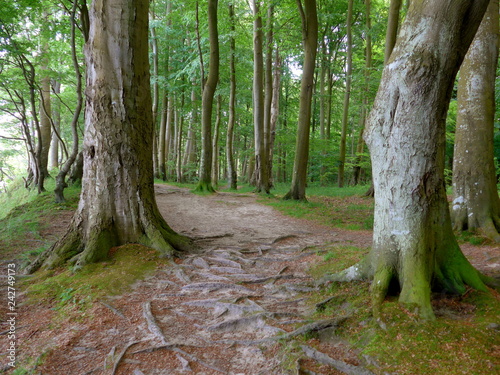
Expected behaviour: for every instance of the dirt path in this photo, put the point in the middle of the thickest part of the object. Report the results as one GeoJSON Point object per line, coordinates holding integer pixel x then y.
{"type": "Point", "coordinates": [217, 311]}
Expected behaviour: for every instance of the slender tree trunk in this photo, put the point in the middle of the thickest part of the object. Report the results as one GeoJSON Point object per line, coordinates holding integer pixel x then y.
{"type": "Point", "coordinates": [232, 175]}
{"type": "Point", "coordinates": [309, 18]}
{"type": "Point", "coordinates": [61, 176]}
{"type": "Point", "coordinates": [54, 142]}
{"type": "Point", "coordinates": [117, 203]}
{"type": "Point", "coordinates": [178, 140]}
{"type": "Point", "coordinates": [413, 240]}
{"type": "Point", "coordinates": [392, 28]}
{"type": "Point", "coordinates": [364, 107]}
{"type": "Point", "coordinates": [189, 159]}
{"type": "Point", "coordinates": [45, 107]}
{"type": "Point", "coordinates": [205, 183]}
{"type": "Point", "coordinates": [261, 178]}
{"type": "Point", "coordinates": [268, 92]}
{"type": "Point", "coordinates": [275, 109]}
{"type": "Point", "coordinates": [347, 95]}
{"type": "Point", "coordinates": [215, 144]}
{"type": "Point", "coordinates": [156, 95]}
{"type": "Point", "coordinates": [476, 205]}
{"type": "Point", "coordinates": [162, 148]}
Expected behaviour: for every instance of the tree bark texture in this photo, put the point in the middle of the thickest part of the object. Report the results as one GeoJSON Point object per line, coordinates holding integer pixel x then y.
{"type": "Point", "coordinates": [347, 95]}
{"type": "Point", "coordinates": [232, 176]}
{"type": "Point", "coordinates": [117, 203]}
{"type": "Point", "coordinates": [476, 205]}
{"type": "Point", "coordinates": [413, 241]}
{"type": "Point", "coordinates": [309, 18]}
{"type": "Point", "coordinates": [260, 173]}
{"type": "Point", "coordinates": [205, 182]}
{"type": "Point", "coordinates": [66, 167]}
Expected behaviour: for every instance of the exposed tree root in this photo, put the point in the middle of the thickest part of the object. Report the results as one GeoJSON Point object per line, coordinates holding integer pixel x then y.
{"type": "Point", "coordinates": [121, 355]}
{"type": "Point", "coordinates": [339, 365]}
{"type": "Point", "coordinates": [452, 273]}
{"type": "Point", "coordinates": [79, 249]}
{"type": "Point", "coordinates": [152, 325]}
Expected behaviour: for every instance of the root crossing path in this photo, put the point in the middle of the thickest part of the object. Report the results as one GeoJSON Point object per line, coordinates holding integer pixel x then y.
{"type": "Point", "coordinates": [219, 310]}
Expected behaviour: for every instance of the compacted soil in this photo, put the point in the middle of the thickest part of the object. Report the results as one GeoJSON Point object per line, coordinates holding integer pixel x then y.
{"type": "Point", "coordinates": [218, 310]}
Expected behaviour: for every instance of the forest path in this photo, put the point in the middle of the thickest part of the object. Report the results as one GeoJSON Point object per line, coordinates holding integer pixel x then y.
{"type": "Point", "coordinates": [218, 310]}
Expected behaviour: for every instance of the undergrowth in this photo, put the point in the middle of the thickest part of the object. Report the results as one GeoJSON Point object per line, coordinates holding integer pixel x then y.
{"type": "Point", "coordinates": [464, 339]}
{"type": "Point", "coordinates": [70, 292]}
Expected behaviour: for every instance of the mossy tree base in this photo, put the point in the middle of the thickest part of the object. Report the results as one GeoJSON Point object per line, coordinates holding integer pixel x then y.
{"type": "Point", "coordinates": [78, 248]}
{"type": "Point", "coordinates": [452, 273]}
{"type": "Point", "coordinates": [204, 187]}
{"type": "Point", "coordinates": [117, 204]}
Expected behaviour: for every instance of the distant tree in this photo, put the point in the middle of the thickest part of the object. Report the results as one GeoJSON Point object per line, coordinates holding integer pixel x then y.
{"type": "Point", "coordinates": [232, 176]}
{"type": "Point", "coordinates": [117, 203]}
{"type": "Point", "coordinates": [205, 182]}
{"type": "Point", "coordinates": [309, 17]}
{"type": "Point", "coordinates": [347, 94]}
{"type": "Point", "coordinates": [66, 167]}
{"type": "Point", "coordinates": [476, 205]}
{"type": "Point", "coordinates": [413, 241]}
{"type": "Point", "coordinates": [261, 169]}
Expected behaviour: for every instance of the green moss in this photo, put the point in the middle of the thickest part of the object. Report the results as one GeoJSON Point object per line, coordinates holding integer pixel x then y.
{"type": "Point", "coordinates": [65, 289]}
{"type": "Point", "coordinates": [462, 340]}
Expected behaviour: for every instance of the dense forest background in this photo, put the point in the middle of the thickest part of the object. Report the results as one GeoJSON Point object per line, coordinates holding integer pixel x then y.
{"type": "Point", "coordinates": [39, 87]}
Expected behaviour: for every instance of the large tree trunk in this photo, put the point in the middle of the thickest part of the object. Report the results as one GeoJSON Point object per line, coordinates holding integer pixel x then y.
{"type": "Point", "coordinates": [260, 176]}
{"type": "Point", "coordinates": [117, 203]}
{"type": "Point", "coordinates": [232, 176]}
{"type": "Point", "coordinates": [413, 240]}
{"type": "Point", "coordinates": [309, 17]}
{"type": "Point", "coordinates": [390, 40]}
{"type": "Point", "coordinates": [476, 205]}
{"type": "Point", "coordinates": [205, 182]}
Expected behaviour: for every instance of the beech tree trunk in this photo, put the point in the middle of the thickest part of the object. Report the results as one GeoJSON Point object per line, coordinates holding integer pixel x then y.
{"type": "Point", "coordinates": [476, 205]}
{"type": "Point", "coordinates": [364, 107]}
{"type": "Point", "coordinates": [66, 167]}
{"type": "Point", "coordinates": [260, 175]}
{"type": "Point", "coordinates": [309, 17]}
{"type": "Point", "coordinates": [232, 176]}
{"type": "Point", "coordinates": [413, 241]}
{"type": "Point", "coordinates": [215, 144]}
{"type": "Point", "coordinates": [117, 203]}
{"type": "Point", "coordinates": [347, 95]}
{"type": "Point", "coordinates": [205, 182]}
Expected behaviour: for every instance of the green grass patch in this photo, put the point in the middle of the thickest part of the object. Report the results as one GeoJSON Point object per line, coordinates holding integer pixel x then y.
{"type": "Point", "coordinates": [68, 291]}
{"type": "Point", "coordinates": [20, 227]}
{"type": "Point", "coordinates": [470, 237]}
{"type": "Point", "coordinates": [350, 212]}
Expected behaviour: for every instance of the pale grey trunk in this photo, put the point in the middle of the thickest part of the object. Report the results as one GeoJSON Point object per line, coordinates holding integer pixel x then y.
{"type": "Point", "coordinates": [476, 205]}
{"type": "Point", "coordinates": [413, 239]}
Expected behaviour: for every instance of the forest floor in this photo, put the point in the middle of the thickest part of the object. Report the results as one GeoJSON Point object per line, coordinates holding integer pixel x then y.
{"type": "Point", "coordinates": [239, 304]}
